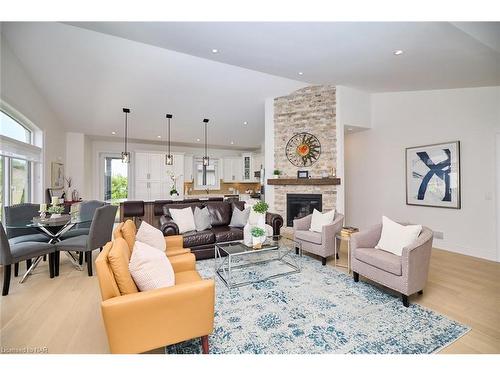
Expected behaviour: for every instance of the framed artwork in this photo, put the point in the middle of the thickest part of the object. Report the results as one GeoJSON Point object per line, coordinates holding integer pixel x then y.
{"type": "Point", "coordinates": [57, 175]}
{"type": "Point", "coordinates": [433, 175]}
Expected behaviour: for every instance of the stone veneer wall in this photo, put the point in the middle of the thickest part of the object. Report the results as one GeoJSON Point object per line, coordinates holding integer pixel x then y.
{"type": "Point", "coordinates": [312, 110]}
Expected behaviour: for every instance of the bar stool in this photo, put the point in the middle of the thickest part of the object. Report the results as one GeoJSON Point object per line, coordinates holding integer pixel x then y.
{"type": "Point", "coordinates": [133, 210]}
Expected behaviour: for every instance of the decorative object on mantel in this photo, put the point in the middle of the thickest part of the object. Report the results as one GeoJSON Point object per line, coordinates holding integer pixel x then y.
{"type": "Point", "coordinates": [433, 175]}
{"type": "Point", "coordinates": [169, 158]}
{"type": "Point", "coordinates": [206, 159]}
{"type": "Point", "coordinates": [173, 188]}
{"type": "Point", "coordinates": [302, 174]}
{"type": "Point", "coordinates": [125, 153]}
{"type": "Point", "coordinates": [57, 175]}
{"type": "Point", "coordinates": [304, 181]}
{"type": "Point", "coordinates": [303, 150]}
{"type": "Point", "coordinates": [276, 173]}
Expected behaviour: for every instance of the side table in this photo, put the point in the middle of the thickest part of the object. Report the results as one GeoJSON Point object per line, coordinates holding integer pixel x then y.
{"type": "Point", "coordinates": [340, 238]}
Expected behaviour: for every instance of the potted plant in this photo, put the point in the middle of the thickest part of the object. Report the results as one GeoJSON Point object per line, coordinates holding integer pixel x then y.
{"type": "Point", "coordinates": [258, 237]}
{"type": "Point", "coordinates": [277, 173]}
{"type": "Point", "coordinates": [261, 208]}
{"type": "Point", "coordinates": [173, 188]}
{"type": "Point", "coordinates": [55, 211]}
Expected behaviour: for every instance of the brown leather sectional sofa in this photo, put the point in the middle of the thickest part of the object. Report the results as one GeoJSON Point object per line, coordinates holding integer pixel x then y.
{"type": "Point", "coordinates": [202, 244]}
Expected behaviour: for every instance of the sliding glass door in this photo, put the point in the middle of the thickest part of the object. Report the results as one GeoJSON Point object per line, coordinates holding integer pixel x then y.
{"type": "Point", "coordinates": [115, 178]}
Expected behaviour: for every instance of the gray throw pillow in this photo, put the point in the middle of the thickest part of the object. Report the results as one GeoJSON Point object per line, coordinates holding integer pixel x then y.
{"type": "Point", "coordinates": [239, 218]}
{"type": "Point", "coordinates": [202, 219]}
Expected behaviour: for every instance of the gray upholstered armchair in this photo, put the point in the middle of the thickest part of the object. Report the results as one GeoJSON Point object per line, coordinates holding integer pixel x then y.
{"type": "Point", "coordinates": [322, 244]}
{"type": "Point", "coordinates": [406, 274]}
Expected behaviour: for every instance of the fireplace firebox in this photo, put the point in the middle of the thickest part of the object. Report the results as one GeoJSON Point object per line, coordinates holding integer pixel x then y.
{"type": "Point", "coordinates": [300, 205]}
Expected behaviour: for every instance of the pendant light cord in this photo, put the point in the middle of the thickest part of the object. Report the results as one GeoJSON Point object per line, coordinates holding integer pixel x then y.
{"type": "Point", "coordinates": [168, 126]}
{"type": "Point", "coordinates": [126, 130]}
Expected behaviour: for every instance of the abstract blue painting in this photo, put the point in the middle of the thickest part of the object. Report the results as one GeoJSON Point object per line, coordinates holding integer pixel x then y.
{"type": "Point", "coordinates": [433, 175]}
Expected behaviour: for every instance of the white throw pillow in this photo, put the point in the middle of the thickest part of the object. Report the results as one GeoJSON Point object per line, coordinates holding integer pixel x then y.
{"type": "Point", "coordinates": [184, 219]}
{"type": "Point", "coordinates": [395, 236]}
{"type": "Point", "coordinates": [150, 235]}
{"type": "Point", "coordinates": [319, 220]}
{"type": "Point", "coordinates": [150, 268]}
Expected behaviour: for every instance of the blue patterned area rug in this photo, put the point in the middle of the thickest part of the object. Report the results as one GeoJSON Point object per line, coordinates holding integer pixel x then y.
{"type": "Point", "coordinates": [319, 310]}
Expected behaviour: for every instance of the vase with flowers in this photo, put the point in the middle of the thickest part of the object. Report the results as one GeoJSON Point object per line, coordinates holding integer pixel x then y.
{"type": "Point", "coordinates": [173, 188]}
{"type": "Point", "coordinates": [55, 210]}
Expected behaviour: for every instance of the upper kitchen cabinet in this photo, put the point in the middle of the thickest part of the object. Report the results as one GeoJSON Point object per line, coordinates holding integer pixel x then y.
{"type": "Point", "coordinates": [240, 168]}
{"type": "Point", "coordinates": [153, 178]}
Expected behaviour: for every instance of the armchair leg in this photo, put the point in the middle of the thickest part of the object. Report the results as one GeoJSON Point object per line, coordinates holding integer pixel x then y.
{"type": "Point", "coordinates": [6, 279]}
{"type": "Point", "coordinates": [204, 344]}
{"type": "Point", "coordinates": [406, 303]}
{"type": "Point", "coordinates": [16, 269]}
{"type": "Point", "coordinates": [297, 250]}
{"type": "Point", "coordinates": [28, 264]}
{"type": "Point", "coordinates": [420, 292]}
{"type": "Point", "coordinates": [80, 258]}
{"type": "Point", "coordinates": [355, 276]}
{"type": "Point", "coordinates": [338, 257]}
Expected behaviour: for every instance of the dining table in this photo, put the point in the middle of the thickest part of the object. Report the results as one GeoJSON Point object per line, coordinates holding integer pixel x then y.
{"type": "Point", "coordinates": [54, 228]}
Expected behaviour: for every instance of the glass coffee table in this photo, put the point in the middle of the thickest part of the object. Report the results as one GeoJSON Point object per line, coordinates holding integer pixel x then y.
{"type": "Point", "coordinates": [237, 264]}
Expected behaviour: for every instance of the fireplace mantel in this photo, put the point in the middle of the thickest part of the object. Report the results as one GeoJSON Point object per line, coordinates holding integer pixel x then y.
{"type": "Point", "coordinates": [304, 181]}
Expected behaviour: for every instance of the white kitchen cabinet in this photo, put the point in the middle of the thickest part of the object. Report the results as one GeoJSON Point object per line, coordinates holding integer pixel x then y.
{"type": "Point", "coordinates": [188, 168]}
{"type": "Point", "coordinates": [247, 167]}
{"type": "Point", "coordinates": [151, 178]}
{"type": "Point", "coordinates": [233, 169]}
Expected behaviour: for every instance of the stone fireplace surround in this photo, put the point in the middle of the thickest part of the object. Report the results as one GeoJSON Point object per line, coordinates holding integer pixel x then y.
{"type": "Point", "coordinates": [313, 110]}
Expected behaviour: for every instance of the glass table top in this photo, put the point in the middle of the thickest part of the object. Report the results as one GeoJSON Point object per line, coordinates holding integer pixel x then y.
{"type": "Point", "coordinates": [239, 247]}
{"type": "Point", "coordinates": [49, 222]}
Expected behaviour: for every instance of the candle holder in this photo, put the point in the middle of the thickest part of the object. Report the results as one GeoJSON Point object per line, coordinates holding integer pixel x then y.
{"type": "Point", "coordinates": [43, 215]}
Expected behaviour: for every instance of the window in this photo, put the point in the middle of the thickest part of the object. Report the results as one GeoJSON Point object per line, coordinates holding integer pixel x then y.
{"type": "Point", "coordinates": [16, 162]}
{"type": "Point", "coordinates": [13, 129]}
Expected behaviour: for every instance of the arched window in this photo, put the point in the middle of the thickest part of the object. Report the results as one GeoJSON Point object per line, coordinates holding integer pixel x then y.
{"type": "Point", "coordinates": [18, 156]}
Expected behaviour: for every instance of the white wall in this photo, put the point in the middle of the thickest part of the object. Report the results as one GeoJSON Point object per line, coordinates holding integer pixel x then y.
{"type": "Point", "coordinates": [375, 163]}
{"type": "Point", "coordinates": [75, 161]}
{"type": "Point", "coordinates": [353, 109]}
{"type": "Point", "coordinates": [18, 90]}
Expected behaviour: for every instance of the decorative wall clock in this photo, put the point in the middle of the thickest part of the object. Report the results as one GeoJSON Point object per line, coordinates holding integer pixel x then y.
{"type": "Point", "coordinates": [303, 150]}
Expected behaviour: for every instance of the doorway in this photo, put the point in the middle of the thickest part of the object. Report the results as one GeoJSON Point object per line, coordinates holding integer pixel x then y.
{"type": "Point", "coordinates": [115, 179]}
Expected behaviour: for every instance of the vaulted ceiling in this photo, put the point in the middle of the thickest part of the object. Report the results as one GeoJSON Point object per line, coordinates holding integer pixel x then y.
{"type": "Point", "coordinates": [89, 71]}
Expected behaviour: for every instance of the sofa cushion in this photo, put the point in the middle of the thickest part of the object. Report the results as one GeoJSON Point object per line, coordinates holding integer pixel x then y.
{"type": "Point", "coordinates": [220, 213]}
{"type": "Point", "coordinates": [202, 219]}
{"type": "Point", "coordinates": [119, 258]}
{"type": "Point", "coordinates": [128, 231]}
{"type": "Point", "coordinates": [184, 218]}
{"type": "Point", "coordinates": [192, 239]}
{"type": "Point", "coordinates": [239, 217]}
{"type": "Point", "coordinates": [319, 220]}
{"type": "Point", "coordinates": [307, 235]}
{"type": "Point", "coordinates": [186, 277]}
{"type": "Point", "coordinates": [381, 259]}
{"type": "Point", "coordinates": [395, 236]}
{"type": "Point", "coordinates": [150, 268]}
{"type": "Point", "coordinates": [225, 234]}
{"type": "Point", "coordinates": [167, 207]}
{"type": "Point", "coordinates": [151, 236]}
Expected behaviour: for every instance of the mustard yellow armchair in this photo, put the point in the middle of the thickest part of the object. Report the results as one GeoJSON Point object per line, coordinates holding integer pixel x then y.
{"type": "Point", "coordinates": [140, 321]}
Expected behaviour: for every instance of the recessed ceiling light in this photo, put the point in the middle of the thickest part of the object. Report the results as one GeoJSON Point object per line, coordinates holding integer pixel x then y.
{"type": "Point", "coordinates": [197, 139]}
{"type": "Point", "coordinates": [113, 133]}
{"type": "Point", "coordinates": [215, 50]}
{"type": "Point", "coordinates": [245, 122]}
{"type": "Point", "coordinates": [398, 52]}
{"type": "Point", "coordinates": [232, 142]}
{"type": "Point", "coordinates": [350, 129]}
{"type": "Point", "coordinates": [301, 73]}
{"type": "Point", "coordinates": [158, 136]}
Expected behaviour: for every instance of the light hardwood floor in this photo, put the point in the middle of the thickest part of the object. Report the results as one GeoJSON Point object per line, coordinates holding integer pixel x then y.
{"type": "Point", "coordinates": [63, 314]}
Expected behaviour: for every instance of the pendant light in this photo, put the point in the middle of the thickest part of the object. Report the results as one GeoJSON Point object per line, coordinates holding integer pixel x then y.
{"type": "Point", "coordinates": [125, 153]}
{"type": "Point", "coordinates": [206, 159]}
{"type": "Point", "coordinates": [169, 158]}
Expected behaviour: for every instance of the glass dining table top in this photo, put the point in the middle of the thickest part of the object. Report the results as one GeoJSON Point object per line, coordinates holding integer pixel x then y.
{"type": "Point", "coordinates": [61, 221]}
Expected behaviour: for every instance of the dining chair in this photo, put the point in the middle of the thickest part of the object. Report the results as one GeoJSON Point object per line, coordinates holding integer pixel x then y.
{"type": "Point", "coordinates": [100, 232]}
{"type": "Point", "coordinates": [20, 213]}
{"type": "Point", "coordinates": [15, 253]}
